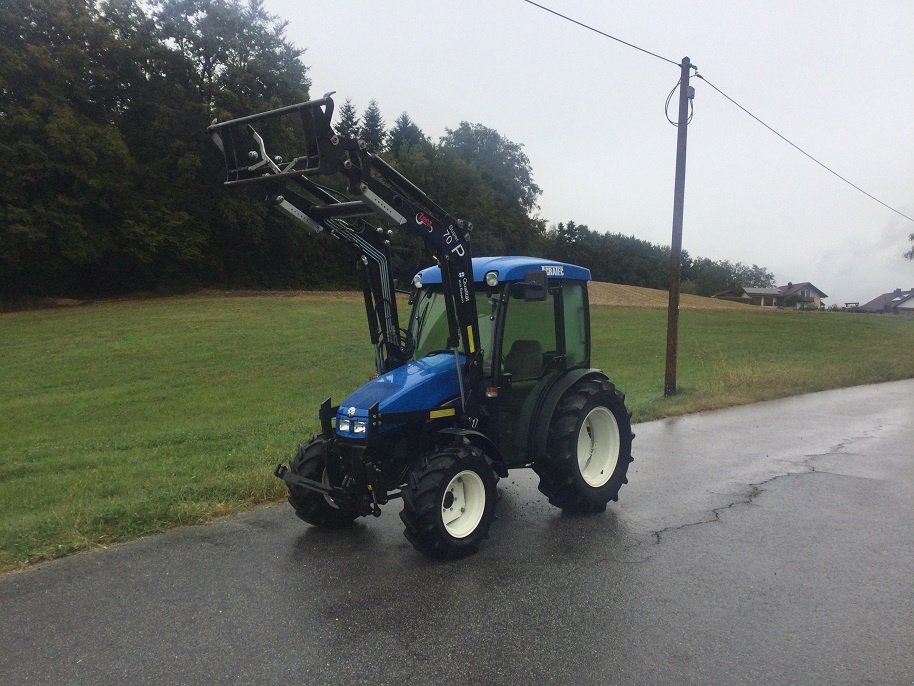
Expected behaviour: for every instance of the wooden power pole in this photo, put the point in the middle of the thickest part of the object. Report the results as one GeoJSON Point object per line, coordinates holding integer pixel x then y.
{"type": "Point", "coordinates": [672, 326]}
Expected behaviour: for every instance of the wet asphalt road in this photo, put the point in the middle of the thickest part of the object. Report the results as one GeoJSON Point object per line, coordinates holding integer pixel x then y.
{"type": "Point", "coordinates": [767, 544]}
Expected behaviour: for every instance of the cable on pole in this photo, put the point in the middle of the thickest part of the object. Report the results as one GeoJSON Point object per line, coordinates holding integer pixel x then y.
{"type": "Point", "coordinates": [666, 108]}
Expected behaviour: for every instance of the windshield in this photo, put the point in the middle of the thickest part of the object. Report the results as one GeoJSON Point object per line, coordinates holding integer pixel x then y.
{"type": "Point", "coordinates": [429, 327]}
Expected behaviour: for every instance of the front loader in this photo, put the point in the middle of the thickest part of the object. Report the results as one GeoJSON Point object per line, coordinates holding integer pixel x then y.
{"type": "Point", "coordinates": [491, 373]}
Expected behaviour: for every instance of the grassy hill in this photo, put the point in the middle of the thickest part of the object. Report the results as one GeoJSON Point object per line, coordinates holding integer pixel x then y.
{"type": "Point", "coordinates": [601, 293]}
{"type": "Point", "coordinates": [617, 295]}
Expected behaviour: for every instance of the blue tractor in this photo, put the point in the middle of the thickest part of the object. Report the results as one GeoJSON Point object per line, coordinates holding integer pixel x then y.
{"type": "Point", "coordinates": [492, 372]}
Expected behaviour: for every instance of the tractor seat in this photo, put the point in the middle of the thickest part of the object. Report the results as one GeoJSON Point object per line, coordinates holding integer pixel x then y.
{"type": "Point", "coordinates": [525, 359]}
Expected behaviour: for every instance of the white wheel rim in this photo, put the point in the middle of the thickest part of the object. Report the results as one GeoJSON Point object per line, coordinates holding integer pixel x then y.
{"type": "Point", "coordinates": [598, 446]}
{"type": "Point", "coordinates": [462, 504]}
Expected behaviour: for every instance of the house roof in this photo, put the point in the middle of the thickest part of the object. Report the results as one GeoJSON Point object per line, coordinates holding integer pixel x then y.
{"type": "Point", "coordinates": [793, 288]}
{"type": "Point", "coordinates": [762, 291]}
{"type": "Point", "coordinates": [887, 301]}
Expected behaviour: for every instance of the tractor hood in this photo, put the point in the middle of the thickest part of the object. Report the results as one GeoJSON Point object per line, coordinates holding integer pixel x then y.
{"type": "Point", "coordinates": [422, 385]}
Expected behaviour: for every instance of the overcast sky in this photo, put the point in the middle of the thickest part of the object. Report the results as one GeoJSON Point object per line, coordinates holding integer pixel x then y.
{"type": "Point", "coordinates": [835, 77]}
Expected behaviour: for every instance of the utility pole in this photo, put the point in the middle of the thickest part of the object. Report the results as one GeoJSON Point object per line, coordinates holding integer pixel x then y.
{"type": "Point", "coordinates": [672, 324]}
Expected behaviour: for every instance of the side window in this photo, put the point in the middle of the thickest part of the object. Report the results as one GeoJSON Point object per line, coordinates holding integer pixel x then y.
{"type": "Point", "coordinates": [529, 334]}
{"type": "Point", "coordinates": [575, 325]}
{"type": "Point", "coordinates": [429, 325]}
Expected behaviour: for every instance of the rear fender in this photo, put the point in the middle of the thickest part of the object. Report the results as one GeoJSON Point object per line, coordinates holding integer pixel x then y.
{"type": "Point", "coordinates": [551, 401]}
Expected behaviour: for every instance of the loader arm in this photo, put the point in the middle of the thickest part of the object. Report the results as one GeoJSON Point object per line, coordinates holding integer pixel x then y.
{"type": "Point", "coordinates": [373, 187]}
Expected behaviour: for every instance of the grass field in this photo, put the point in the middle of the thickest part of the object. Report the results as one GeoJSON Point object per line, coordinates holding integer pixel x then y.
{"type": "Point", "coordinates": [124, 418]}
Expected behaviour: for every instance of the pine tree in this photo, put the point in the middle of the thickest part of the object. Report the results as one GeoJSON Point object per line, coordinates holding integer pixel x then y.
{"type": "Point", "coordinates": [404, 135]}
{"type": "Point", "coordinates": [372, 129]}
{"type": "Point", "coordinates": [348, 124]}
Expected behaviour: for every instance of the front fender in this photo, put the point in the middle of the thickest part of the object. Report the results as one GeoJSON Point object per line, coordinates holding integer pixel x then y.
{"type": "Point", "coordinates": [484, 443]}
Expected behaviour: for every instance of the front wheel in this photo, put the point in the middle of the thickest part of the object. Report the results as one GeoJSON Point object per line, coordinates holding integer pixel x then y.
{"type": "Point", "coordinates": [448, 502]}
{"type": "Point", "coordinates": [589, 448]}
{"type": "Point", "coordinates": [310, 506]}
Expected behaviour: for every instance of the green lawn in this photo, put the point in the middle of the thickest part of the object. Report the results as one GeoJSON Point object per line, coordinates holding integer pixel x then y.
{"type": "Point", "coordinates": [731, 357]}
{"type": "Point", "coordinates": [124, 418]}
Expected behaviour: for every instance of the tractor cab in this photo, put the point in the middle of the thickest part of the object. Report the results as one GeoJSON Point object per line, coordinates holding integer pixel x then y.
{"type": "Point", "coordinates": [533, 328]}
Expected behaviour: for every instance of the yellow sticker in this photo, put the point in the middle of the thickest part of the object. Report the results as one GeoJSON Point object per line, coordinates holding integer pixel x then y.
{"type": "Point", "coordinates": [447, 412]}
{"type": "Point", "coordinates": [470, 339]}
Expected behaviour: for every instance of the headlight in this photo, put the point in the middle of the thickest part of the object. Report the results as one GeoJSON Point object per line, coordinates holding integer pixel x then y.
{"type": "Point", "coordinates": [360, 427]}
{"type": "Point", "coordinates": [491, 279]}
{"type": "Point", "coordinates": [417, 281]}
{"type": "Point", "coordinates": [342, 424]}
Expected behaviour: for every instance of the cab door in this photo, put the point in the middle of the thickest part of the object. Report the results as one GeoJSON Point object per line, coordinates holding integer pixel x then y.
{"type": "Point", "coordinates": [540, 340]}
{"type": "Point", "coordinates": [530, 354]}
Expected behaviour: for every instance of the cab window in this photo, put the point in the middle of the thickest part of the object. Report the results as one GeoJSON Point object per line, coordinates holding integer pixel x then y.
{"type": "Point", "coordinates": [529, 336]}
{"type": "Point", "coordinates": [574, 306]}
{"type": "Point", "coordinates": [429, 325]}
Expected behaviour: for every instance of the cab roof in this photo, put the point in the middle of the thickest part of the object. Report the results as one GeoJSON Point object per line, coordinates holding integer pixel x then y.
{"type": "Point", "coordinates": [513, 269]}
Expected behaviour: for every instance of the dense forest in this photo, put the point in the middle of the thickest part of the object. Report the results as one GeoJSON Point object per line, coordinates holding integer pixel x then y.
{"type": "Point", "coordinates": [110, 184]}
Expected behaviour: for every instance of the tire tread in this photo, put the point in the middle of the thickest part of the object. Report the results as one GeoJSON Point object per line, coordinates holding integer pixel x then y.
{"type": "Point", "coordinates": [559, 472]}
{"type": "Point", "coordinates": [421, 502]}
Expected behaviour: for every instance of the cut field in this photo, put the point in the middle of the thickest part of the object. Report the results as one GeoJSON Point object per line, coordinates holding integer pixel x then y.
{"type": "Point", "coordinates": [119, 419]}
{"type": "Point", "coordinates": [617, 295]}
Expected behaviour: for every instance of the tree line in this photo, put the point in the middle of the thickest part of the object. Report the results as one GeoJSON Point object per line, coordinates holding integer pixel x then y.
{"type": "Point", "coordinates": [617, 258]}
{"type": "Point", "coordinates": [110, 184]}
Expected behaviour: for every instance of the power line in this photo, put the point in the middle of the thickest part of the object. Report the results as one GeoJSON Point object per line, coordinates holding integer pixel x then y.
{"type": "Point", "coordinates": [602, 33]}
{"type": "Point", "coordinates": [698, 75]}
{"type": "Point", "coordinates": [797, 147]}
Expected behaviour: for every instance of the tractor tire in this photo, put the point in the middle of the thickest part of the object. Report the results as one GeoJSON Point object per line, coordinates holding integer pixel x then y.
{"type": "Point", "coordinates": [449, 502]}
{"type": "Point", "coordinates": [589, 448]}
{"type": "Point", "coordinates": [310, 506]}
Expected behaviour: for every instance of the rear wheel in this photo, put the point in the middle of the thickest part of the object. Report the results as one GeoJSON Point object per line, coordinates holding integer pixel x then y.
{"type": "Point", "coordinates": [588, 449]}
{"type": "Point", "coordinates": [448, 502]}
{"type": "Point", "coordinates": [310, 506]}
